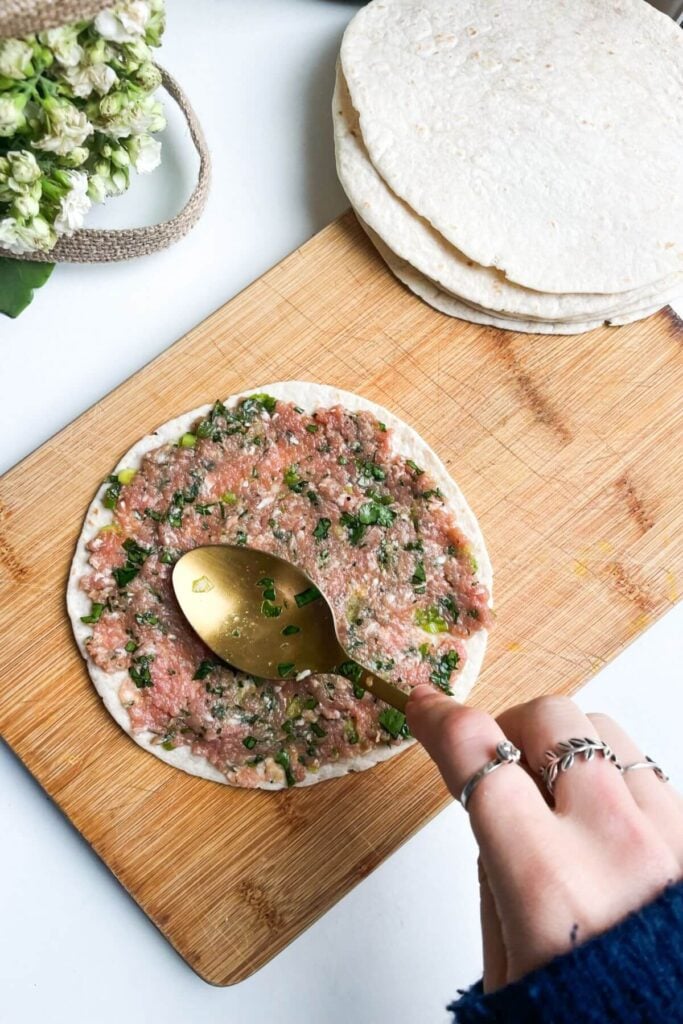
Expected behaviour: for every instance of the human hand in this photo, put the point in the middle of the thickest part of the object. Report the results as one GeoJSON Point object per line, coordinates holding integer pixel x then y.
{"type": "Point", "coordinates": [552, 875]}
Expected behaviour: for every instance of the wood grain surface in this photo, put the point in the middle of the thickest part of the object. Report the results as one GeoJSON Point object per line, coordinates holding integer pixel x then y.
{"type": "Point", "coordinates": [567, 448]}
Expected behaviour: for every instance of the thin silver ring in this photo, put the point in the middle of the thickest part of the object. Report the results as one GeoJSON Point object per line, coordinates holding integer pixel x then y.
{"type": "Point", "coordinates": [564, 755]}
{"type": "Point", "coordinates": [647, 763]}
{"type": "Point", "coordinates": [506, 753]}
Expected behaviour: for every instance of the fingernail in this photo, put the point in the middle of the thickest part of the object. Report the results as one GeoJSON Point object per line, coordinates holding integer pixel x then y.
{"type": "Point", "coordinates": [421, 691]}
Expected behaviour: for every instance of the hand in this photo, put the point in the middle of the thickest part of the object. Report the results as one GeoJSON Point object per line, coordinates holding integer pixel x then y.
{"type": "Point", "coordinates": [552, 875]}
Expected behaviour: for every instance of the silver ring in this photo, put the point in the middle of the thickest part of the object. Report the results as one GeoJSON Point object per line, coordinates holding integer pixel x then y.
{"type": "Point", "coordinates": [506, 753]}
{"type": "Point", "coordinates": [647, 763]}
{"type": "Point", "coordinates": [563, 756]}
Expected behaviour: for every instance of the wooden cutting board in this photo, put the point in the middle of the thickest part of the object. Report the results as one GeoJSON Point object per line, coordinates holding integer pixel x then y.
{"type": "Point", "coordinates": [569, 451]}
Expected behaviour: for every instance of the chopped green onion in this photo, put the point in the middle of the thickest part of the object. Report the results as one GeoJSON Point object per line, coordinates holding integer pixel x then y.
{"type": "Point", "coordinates": [249, 742]}
{"type": "Point", "coordinates": [126, 476]}
{"type": "Point", "coordinates": [282, 758]}
{"type": "Point", "coordinates": [95, 613]}
{"type": "Point", "coordinates": [322, 529]}
{"type": "Point", "coordinates": [188, 441]}
{"type": "Point", "coordinates": [285, 668]}
{"type": "Point", "coordinates": [205, 669]}
{"type": "Point", "coordinates": [229, 498]}
{"type": "Point", "coordinates": [306, 596]}
{"type": "Point", "coordinates": [430, 620]}
{"type": "Point", "coordinates": [202, 585]}
{"type": "Point", "coordinates": [291, 630]}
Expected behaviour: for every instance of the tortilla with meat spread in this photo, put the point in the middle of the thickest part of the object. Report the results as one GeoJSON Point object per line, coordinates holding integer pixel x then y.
{"type": "Point", "coordinates": [338, 484]}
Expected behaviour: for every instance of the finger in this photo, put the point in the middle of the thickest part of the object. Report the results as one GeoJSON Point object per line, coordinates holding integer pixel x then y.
{"type": "Point", "coordinates": [658, 800]}
{"type": "Point", "coordinates": [495, 956]}
{"type": "Point", "coordinates": [461, 740]}
{"type": "Point", "coordinates": [589, 786]}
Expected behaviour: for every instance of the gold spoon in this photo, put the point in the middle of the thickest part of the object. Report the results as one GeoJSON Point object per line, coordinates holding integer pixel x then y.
{"type": "Point", "coordinates": [265, 616]}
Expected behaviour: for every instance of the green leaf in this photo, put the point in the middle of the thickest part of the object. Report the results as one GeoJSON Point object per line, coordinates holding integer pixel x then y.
{"type": "Point", "coordinates": [18, 280]}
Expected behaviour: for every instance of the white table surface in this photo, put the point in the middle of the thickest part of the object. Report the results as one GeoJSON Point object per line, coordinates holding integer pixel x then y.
{"type": "Point", "coordinates": [74, 948]}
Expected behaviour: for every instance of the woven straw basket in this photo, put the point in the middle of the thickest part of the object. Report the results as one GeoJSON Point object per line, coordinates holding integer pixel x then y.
{"type": "Point", "coordinates": [22, 17]}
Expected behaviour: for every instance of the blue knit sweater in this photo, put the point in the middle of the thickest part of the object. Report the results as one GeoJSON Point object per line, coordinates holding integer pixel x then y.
{"type": "Point", "coordinates": [632, 974]}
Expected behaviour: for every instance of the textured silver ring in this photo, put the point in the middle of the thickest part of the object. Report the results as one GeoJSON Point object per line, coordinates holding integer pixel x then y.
{"type": "Point", "coordinates": [647, 763]}
{"type": "Point", "coordinates": [506, 753]}
{"type": "Point", "coordinates": [564, 755]}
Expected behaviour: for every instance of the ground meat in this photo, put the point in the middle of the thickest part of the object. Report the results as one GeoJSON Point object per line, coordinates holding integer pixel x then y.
{"type": "Point", "coordinates": [326, 492]}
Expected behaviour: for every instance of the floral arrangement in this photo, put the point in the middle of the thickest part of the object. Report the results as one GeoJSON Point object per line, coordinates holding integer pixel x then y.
{"type": "Point", "coordinates": [77, 113]}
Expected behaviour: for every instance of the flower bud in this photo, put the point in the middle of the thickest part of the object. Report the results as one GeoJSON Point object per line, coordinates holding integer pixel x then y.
{"type": "Point", "coordinates": [12, 117]}
{"type": "Point", "coordinates": [148, 77]}
{"type": "Point", "coordinates": [23, 166]}
{"type": "Point", "coordinates": [76, 157]}
{"type": "Point", "coordinates": [25, 207]}
{"type": "Point", "coordinates": [16, 57]}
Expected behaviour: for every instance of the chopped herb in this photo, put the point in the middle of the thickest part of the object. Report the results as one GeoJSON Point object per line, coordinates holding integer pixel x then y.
{"type": "Point", "coordinates": [449, 605]}
{"type": "Point", "coordinates": [205, 669]}
{"type": "Point", "coordinates": [249, 742]}
{"type": "Point", "coordinates": [382, 426]}
{"type": "Point", "coordinates": [430, 620]}
{"type": "Point", "coordinates": [135, 556]}
{"type": "Point", "coordinates": [376, 512]}
{"type": "Point", "coordinates": [322, 529]}
{"type": "Point", "coordinates": [168, 556]}
{"type": "Point", "coordinates": [151, 513]}
{"type": "Point", "coordinates": [168, 745]}
{"type": "Point", "coordinates": [414, 466]}
{"type": "Point", "coordinates": [444, 666]}
{"type": "Point", "coordinates": [139, 671]}
{"type": "Point", "coordinates": [342, 460]}
{"type": "Point", "coordinates": [268, 585]}
{"type": "Point", "coordinates": [285, 668]}
{"type": "Point", "coordinates": [270, 610]}
{"type": "Point", "coordinates": [219, 711]}
{"type": "Point", "coordinates": [310, 703]}
{"type": "Point", "coordinates": [354, 528]}
{"type": "Point", "coordinates": [473, 613]}
{"type": "Point", "coordinates": [312, 428]}
{"type": "Point", "coordinates": [317, 730]}
{"type": "Point", "coordinates": [369, 471]}
{"type": "Point", "coordinates": [312, 497]}
{"type": "Point", "coordinates": [419, 577]}
{"type": "Point", "coordinates": [174, 516]}
{"type": "Point", "coordinates": [229, 498]}
{"type": "Point", "coordinates": [306, 596]}
{"type": "Point", "coordinates": [111, 495]}
{"type": "Point", "coordinates": [474, 563]}
{"type": "Point", "coordinates": [350, 730]}
{"type": "Point", "coordinates": [282, 758]}
{"type": "Point", "coordinates": [414, 545]}
{"type": "Point", "coordinates": [394, 722]}
{"type": "Point", "coordinates": [293, 709]}
{"type": "Point", "coordinates": [291, 630]}
{"type": "Point", "coordinates": [241, 537]}
{"type": "Point", "coordinates": [147, 619]}
{"type": "Point", "coordinates": [187, 441]}
{"type": "Point", "coordinates": [202, 585]}
{"type": "Point", "coordinates": [293, 480]}
{"type": "Point", "coordinates": [434, 492]}
{"type": "Point", "coordinates": [95, 614]}
{"type": "Point", "coordinates": [263, 400]}
{"type": "Point", "coordinates": [131, 647]}
{"type": "Point", "coordinates": [204, 510]}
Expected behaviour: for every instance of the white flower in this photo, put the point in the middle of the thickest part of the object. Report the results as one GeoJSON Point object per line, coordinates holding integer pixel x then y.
{"type": "Point", "coordinates": [64, 44]}
{"type": "Point", "coordinates": [21, 238]}
{"type": "Point", "coordinates": [74, 204]}
{"type": "Point", "coordinates": [15, 58]}
{"type": "Point", "coordinates": [23, 166]}
{"type": "Point", "coordinates": [67, 128]}
{"type": "Point", "coordinates": [122, 116]}
{"type": "Point", "coordinates": [123, 23]}
{"type": "Point", "coordinates": [145, 152]}
{"type": "Point", "coordinates": [83, 80]}
{"type": "Point", "coordinates": [12, 117]}
{"type": "Point", "coordinates": [26, 206]}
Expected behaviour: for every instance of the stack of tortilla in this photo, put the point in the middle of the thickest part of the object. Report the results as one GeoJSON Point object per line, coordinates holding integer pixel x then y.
{"type": "Point", "coordinates": [518, 163]}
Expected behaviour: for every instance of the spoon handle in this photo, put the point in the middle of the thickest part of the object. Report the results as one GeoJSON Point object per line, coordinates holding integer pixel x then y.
{"type": "Point", "coordinates": [386, 691]}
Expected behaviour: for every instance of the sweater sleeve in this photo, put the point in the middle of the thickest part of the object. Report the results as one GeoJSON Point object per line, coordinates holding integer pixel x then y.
{"type": "Point", "coordinates": [632, 973]}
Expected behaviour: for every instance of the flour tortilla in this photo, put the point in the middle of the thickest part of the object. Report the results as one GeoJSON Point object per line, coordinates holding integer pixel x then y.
{"type": "Point", "coordinates": [444, 302]}
{"type": "Point", "coordinates": [414, 240]}
{"type": "Point", "coordinates": [540, 137]}
{"type": "Point", "coordinates": [308, 396]}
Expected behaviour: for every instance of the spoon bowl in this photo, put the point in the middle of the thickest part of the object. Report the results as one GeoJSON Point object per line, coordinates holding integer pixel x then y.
{"type": "Point", "coordinates": [265, 616]}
